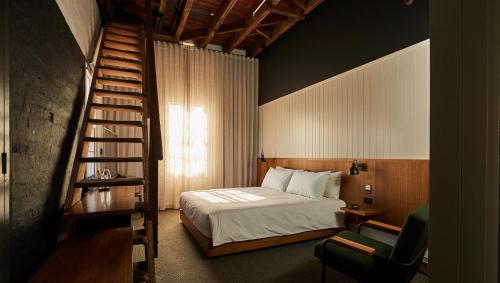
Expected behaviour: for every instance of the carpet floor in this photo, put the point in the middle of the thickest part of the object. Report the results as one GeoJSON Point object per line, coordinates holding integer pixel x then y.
{"type": "Point", "coordinates": [181, 260]}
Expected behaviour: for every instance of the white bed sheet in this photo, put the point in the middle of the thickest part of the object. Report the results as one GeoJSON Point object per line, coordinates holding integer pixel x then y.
{"type": "Point", "coordinates": [240, 214]}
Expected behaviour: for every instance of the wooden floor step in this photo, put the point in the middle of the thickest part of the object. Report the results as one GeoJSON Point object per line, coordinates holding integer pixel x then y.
{"type": "Point", "coordinates": [115, 107]}
{"type": "Point", "coordinates": [120, 64]}
{"type": "Point", "coordinates": [107, 72]}
{"type": "Point", "coordinates": [122, 39]}
{"type": "Point", "coordinates": [122, 31]}
{"type": "Point", "coordinates": [126, 56]}
{"type": "Point", "coordinates": [141, 272]}
{"type": "Point", "coordinates": [118, 140]}
{"type": "Point", "coordinates": [137, 38]}
{"type": "Point", "coordinates": [130, 27]}
{"type": "Point", "coordinates": [127, 83]}
{"type": "Point", "coordinates": [110, 159]}
{"type": "Point", "coordinates": [115, 122]}
{"type": "Point", "coordinates": [119, 94]}
{"type": "Point", "coordinates": [140, 237]}
{"type": "Point", "coordinates": [122, 47]}
{"type": "Point", "coordinates": [86, 183]}
{"type": "Point", "coordinates": [112, 68]}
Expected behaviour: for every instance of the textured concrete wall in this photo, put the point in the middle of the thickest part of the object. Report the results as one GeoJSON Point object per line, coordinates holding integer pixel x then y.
{"type": "Point", "coordinates": [47, 93]}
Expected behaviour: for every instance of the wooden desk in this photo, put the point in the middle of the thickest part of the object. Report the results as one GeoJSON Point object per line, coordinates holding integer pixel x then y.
{"type": "Point", "coordinates": [100, 256]}
{"type": "Point", "coordinates": [118, 200]}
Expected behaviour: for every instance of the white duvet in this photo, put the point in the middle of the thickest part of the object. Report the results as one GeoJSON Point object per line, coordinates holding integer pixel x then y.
{"type": "Point", "coordinates": [240, 214]}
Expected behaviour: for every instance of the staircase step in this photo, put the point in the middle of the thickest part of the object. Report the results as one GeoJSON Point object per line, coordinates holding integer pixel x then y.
{"type": "Point", "coordinates": [115, 122]}
{"type": "Point", "coordinates": [119, 140]}
{"type": "Point", "coordinates": [119, 82]}
{"type": "Point", "coordinates": [126, 56]}
{"type": "Point", "coordinates": [120, 64]}
{"type": "Point", "coordinates": [140, 237]}
{"type": "Point", "coordinates": [138, 72]}
{"type": "Point", "coordinates": [122, 39]}
{"type": "Point", "coordinates": [122, 31]}
{"type": "Point", "coordinates": [115, 107]}
{"type": "Point", "coordinates": [141, 272]}
{"type": "Point", "coordinates": [130, 27]}
{"type": "Point", "coordinates": [119, 94]}
{"type": "Point", "coordinates": [105, 72]}
{"type": "Point", "coordinates": [121, 47]}
{"type": "Point", "coordinates": [110, 159]}
{"type": "Point", "coordinates": [109, 182]}
{"type": "Point", "coordinates": [125, 84]}
{"type": "Point", "coordinates": [137, 38]}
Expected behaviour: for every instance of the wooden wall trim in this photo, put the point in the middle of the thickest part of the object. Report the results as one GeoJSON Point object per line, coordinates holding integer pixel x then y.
{"type": "Point", "coordinates": [398, 185]}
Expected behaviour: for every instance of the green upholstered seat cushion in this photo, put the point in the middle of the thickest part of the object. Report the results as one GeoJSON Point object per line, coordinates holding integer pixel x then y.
{"type": "Point", "coordinates": [349, 261]}
{"type": "Point", "coordinates": [413, 236]}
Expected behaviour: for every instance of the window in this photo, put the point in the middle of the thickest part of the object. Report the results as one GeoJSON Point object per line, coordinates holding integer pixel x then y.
{"type": "Point", "coordinates": [187, 140]}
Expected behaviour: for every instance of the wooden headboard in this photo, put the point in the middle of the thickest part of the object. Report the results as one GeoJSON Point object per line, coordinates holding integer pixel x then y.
{"type": "Point", "coordinates": [398, 185]}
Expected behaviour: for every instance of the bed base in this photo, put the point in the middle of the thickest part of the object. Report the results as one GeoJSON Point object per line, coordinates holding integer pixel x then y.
{"type": "Point", "coordinates": [250, 245]}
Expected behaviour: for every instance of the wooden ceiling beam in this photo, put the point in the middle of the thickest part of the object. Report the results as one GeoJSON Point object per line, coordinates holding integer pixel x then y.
{"type": "Point", "coordinates": [163, 7]}
{"type": "Point", "coordinates": [157, 35]}
{"type": "Point", "coordinates": [286, 13]}
{"type": "Point", "coordinates": [299, 4]}
{"type": "Point", "coordinates": [188, 4]}
{"type": "Point", "coordinates": [262, 33]}
{"type": "Point", "coordinates": [282, 28]}
{"type": "Point", "coordinates": [253, 20]}
{"type": "Point", "coordinates": [217, 21]}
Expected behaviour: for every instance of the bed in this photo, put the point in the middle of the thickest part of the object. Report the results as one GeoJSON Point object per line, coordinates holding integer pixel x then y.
{"type": "Point", "coordinates": [226, 221]}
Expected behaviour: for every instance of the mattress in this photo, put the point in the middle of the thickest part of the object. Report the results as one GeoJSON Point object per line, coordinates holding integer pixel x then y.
{"type": "Point", "coordinates": [241, 214]}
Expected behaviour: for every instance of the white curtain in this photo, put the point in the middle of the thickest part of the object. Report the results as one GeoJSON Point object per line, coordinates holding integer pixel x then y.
{"type": "Point", "coordinates": [208, 111]}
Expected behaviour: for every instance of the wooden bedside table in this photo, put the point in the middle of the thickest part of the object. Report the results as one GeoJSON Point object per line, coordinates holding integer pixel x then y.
{"type": "Point", "coordinates": [356, 216]}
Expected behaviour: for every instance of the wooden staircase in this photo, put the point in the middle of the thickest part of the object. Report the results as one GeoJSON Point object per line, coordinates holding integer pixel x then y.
{"type": "Point", "coordinates": [124, 80]}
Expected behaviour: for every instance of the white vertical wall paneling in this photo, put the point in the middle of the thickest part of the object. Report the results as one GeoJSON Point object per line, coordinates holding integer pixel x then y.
{"type": "Point", "coordinates": [378, 110]}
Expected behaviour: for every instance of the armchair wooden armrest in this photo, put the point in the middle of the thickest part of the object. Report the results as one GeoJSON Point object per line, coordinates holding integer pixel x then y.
{"type": "Point", "coordinates": [383, 226]}
{"type": "Point", "coordinates": [353, 245]}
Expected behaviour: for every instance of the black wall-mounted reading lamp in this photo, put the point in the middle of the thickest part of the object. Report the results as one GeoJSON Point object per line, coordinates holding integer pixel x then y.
{"type": "Point", "coordinates": [356, 167]}
{"type": "Point", "coordinates": [261, 158]}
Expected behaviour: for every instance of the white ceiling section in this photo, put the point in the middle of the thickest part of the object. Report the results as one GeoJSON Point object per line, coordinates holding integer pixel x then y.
{"type": "Point", "coordinates": [84, 21]}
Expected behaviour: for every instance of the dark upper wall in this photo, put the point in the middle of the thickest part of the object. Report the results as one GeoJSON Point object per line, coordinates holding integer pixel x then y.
{"type": "Point", "coordinates": [46, 96]}
{"type": "Point", "coordinates": [338, 36]}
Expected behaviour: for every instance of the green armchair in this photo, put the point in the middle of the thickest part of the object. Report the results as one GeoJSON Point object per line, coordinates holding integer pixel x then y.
{"type": "Point", "coordinates": [368, 260]}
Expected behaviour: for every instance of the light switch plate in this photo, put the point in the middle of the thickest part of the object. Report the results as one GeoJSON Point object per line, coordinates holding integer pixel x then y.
{"type": "Point", "coordinates": [368, 188]}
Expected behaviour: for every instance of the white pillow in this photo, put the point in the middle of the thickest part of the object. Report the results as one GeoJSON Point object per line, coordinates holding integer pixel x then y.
{"type": "Point", "coordinates": [287, 169]}
{"type": "Point", "coordinates": [308, 184]}
{"type": "Point", "coordinates": [277, 179]}
{"type": "Point", "coordinates": [333, 186]}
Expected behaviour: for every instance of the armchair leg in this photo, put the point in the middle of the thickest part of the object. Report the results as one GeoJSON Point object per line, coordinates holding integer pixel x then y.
{"type": "Point", "coordinates": [323, 273]}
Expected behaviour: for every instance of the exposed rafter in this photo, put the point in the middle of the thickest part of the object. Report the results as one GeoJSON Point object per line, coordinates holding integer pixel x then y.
{"type": "Point", "coordinates": [253, 20]}
{"type": "Point", "coordinates": [300, 4]}
{"type": "Point", "coordinates": [188, 4]}
{"type": "Point", "coordinates": [282, 28]}
{"type": "Point", "coordinates": [262, 33]}
{"type": "Point", "coordinates": [219, 18]}
{"type": "Point", "coordinates": [286, 13]}
{"type": "Point", "coordinates": [249, 24]}
{"type": "Point", "coordinates": [163, 7]}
